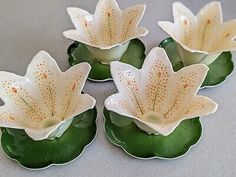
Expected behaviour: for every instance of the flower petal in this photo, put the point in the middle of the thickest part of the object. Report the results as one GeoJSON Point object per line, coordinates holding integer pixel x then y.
{"type": "Point", "coordinates": [76, 36]}
{"type": "Point", "coordinates": [122, 106]}
{"type": "Point", "coordinates": [42, 96]}
{"type": "Point", "coordinates": [85, 26]}
{"type": "Point", "coordinates": [107, 16]}
{"type": "Point", "coordinates": [108, 27]}
{"type": "Point", "coordinates": [77, 105]}
{"type": "Point", "coordinates": [9, 119]}
{"type": "Point", "coordinates": [199, 106]}
{"type": "Point", "coordinates": [19, 93]}
{"type": "Point", "coordinates": [141, 31]}
{"type": "Point", "coordinates": [185, 85]}
{"type": "Point", "coordinates": [209, 20]}
{"type": "Point", "coordinates": [156, 97]}
{"type": "Point", "coordinates": [170, 28]}
{"type": "Point", "coordinates": [77, 74]}
{"type": "Point", "coordinates": [79, 17]}
{"type": "Point", "coordinates": [183, 28]}
{"type": "Point", "coordinates": [117, 103]}
{"type": "Point", "coordinates": [45, 75]}
{"type": "Point", "coordinates": [9, 85]}
{"type": "Point", "coordinates": [225, 37]}
{"type": "Point", "coordinates": [157, 75]}
{"type": "Point", "coordinates": [127, 79]}
{"type": "Point", "coordinates": [106, 6]}
{"type": "Point", "coordinates": [130, 19]}
{"type": "Point", "coordinates": [204, 33]}
{"type": "Point", "coordinates": [73, 82]}
{"type": "Point", "coordinates": [185, 23]}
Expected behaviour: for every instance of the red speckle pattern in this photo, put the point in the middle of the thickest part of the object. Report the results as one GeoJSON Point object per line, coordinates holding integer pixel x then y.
{"type": "Point", "coordinates": [44, 79]}
{"type": "Point", "coordinates": [45, 93]}
{"type": "Point", "coordinates": [131, 86]}
{"type": "Point", "coordinates": [69, 100]}
{"type": "Point", "coordinates": [108, 26]}
{"type": "Point", "coordinates": [157, 88]}
{"type": "Point", "coordinates": [22, 98]}
{"type": "Point", "coordinates": [158, 79]}
{"type": "Point", "coordinates": [205, 31]}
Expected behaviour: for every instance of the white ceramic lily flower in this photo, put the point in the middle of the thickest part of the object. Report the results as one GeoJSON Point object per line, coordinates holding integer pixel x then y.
{"type": "Point", "coordinates": [156, 97]}
{"type": "Point", "coordinates": [45, 100]}
{"type": "Point", "coordinates": [201, 38]}
{"type": "Point", "coordinates": [108, 32]}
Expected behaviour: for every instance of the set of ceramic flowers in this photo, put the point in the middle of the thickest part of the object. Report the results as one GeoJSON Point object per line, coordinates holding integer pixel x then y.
{"type": "Point", "coordinates": [156, 110]}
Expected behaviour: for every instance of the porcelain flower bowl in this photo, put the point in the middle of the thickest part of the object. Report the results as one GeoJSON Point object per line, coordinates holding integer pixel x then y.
{"type": "Point", "coordinates": [108, 32]}
{"type": "Point", "coordinates": [45, 100]}
{"type": "Point", "coordinates": [201, 38]}
{"type": "Point", "coordinates": [155, 97]}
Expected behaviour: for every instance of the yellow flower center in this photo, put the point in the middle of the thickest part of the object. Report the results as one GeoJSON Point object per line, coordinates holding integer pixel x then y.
{"type": "Point", "coordinates": [153, 117]}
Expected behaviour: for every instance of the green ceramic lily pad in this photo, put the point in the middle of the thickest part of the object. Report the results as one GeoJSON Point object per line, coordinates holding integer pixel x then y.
{"type": "Point", "coordinates": [40, 154]}
{"type": "Point", "coordinates": [78, 53]}
{"type": "Point", "coordinates": [124, 133]}
{"type": "Point", "coordinates": [219, 70]}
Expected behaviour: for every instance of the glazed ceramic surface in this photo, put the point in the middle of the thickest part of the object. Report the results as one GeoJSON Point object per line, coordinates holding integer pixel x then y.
{"type": "Point", "coordinates": [219, 70]}
{"type": "Point", "coordinates": [41, 154]}
{"type": "Point", "coordinates": [108, 32]}
{"type": "Point", "coordinates": [155, 97]}
{"type": "Point", "coordinates": [45, 100]}
{"type": "Point", "coordinates": [27, 26]}
{"type": "Point", "coordinates": [123, 132]}
{"type": "Point", "coordinates": [78, 52]}
{"type": "Point", "coordinates": [201, 38]}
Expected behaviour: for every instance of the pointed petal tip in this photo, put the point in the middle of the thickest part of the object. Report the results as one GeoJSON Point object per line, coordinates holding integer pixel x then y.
{"type": "Point", "coordinates": [177, 4]}
{"type": "Point", "coordinates": [157, 51]}
{"type": "Point", "coordinates": [141, 6]}
{"type": "Point", "coordinates": [114, 64]}
{"type": "Point", "coordinates": [86, 65]}
{"type": "Point", "coordinates": [163, 23]}
{"type": "Point", "coordinates": [213, 4]}
{"type": "Point", "coordinates": [157, 54]}
{"type": "Point", "coordinates": [70, 10]}
{"type": "Point", "coordinates": [67, 33]}
{"type": "Point", "coordinates": [64, 33]}
{"type": "Point", "coordinates": [101, 3]}
{"type": "Point", "coordinates": [107, 103]}
{"type": "Point", "coordinates": [42, 52]}
{"type": "Point", "coordinates": [218, 3]}
{"type": "Point", "coordinates": [166, 132]}
{"type": "Point", "coordinates": [215, 105]}
{"type": "Point", "coordinates": [42, 55]}
{"type": "Point", "coordinates": [160, 22]}
{"type": "Point", "coordinates": [142, 31]}
{"type": "Point", "coordinates": [202, 67]}
{"type": "Point", "coordinates": [92, 101]}
{"type": "Point", "coordinates": [144, 6]}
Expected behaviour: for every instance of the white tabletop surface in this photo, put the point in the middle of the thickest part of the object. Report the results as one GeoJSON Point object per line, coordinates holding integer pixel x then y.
{"type": "Point", "coordinates": [28, 26]}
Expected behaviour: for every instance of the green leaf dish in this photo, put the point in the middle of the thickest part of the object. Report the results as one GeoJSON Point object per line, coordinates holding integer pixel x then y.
{"type": "Point", "coordinates": [78, 53]}
{"type": "Point", "coordinates": [123, 132]}
{"type": "Point", "coordinates": [41, 154]}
